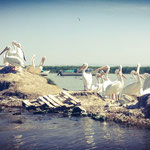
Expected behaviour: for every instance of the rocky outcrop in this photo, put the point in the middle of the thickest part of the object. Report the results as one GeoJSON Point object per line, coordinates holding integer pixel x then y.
{"type": "Point", "coordinates": [144, 103]}
{"type": "Point", "coordinates": [24, 85]}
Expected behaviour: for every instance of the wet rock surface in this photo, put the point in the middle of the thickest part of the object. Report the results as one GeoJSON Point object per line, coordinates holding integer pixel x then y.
{"type": "Point", "coordinates": [124, 111]}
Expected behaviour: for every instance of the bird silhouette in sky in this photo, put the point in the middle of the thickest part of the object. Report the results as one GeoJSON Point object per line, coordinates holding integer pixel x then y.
{"type": "Point", "coordinates": [78, 18]}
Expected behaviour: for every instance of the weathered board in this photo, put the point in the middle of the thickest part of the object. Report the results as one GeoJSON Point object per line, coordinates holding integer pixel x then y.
{"type": "Point", "coordinates": [61, 101]}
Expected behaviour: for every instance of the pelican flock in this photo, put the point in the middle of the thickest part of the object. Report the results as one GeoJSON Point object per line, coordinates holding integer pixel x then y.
{"type": "Point", "coordinates": [115, 89]}
{"type": "Point", "coordinates": [14, 56]}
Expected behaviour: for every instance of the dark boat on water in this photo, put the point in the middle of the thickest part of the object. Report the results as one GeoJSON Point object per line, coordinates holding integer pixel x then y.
{"type": "Point", "coordinates": [72, 72]}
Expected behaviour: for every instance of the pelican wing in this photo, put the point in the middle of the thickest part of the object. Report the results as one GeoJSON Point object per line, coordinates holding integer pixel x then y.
{"type": "Point", "coordinates": [131, 89]}
{"type": "Point", "coordinates": [14, 60]}
{"type": "Point", "coordinates": [146, 84]}
{"type": "Point", "coordinates": [114, 87]}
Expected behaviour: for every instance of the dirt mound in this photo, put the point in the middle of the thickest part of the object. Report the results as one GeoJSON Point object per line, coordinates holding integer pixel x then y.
{"type": "Point", "coordinates": [25, 85]}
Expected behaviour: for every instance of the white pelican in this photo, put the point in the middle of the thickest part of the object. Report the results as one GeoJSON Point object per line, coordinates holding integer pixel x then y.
{"type": "Point", "coordinates": [107, 80]}
{"type": "Point", "coordinates": [86, 77]}
{"type": "Point", "coordinates": [12, 58]}
{"type": "Point", "coordinates": [135, 87]}
{"type": "Point", "coordinates": [20, 50]}
{"type": "Point", "coordinates": [114, 88]}
{"type": "Point", "coordinates": [99, 85]}
{"type": "Point", "coordinates": [36, 69]}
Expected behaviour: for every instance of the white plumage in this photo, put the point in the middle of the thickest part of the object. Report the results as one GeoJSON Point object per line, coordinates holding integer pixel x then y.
{"type": "Point", "coordinates": [135, 87]}
{"type": "Point", "coordinates": [98, 87]}
{"type": "Point", "coordinates": [36, 69]}
{"type": "Point", "coordinates": [114, 88]}
{"type": "Point", "coordinates": [86, 77]}
{"type": "Point", "coordinates": [107, 80]}
{"type": "Point", "coordinates": [146, 84]}
{"type": "Point", "coordinates": [13, 56]}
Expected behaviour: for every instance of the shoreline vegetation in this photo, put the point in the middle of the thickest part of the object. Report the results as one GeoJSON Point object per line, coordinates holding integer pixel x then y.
{"type": "Point", "coordinates": [126, 69]}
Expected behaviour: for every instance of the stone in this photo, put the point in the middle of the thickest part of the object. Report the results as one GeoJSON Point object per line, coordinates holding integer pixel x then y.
{"type": "Point", "coordinates": [79, 111]}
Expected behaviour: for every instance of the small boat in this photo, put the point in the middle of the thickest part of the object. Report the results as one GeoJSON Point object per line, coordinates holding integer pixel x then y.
{"type": "Point", "coordinates": [72, 73]}
{"type": "Point", "coordinates": [45, 73]}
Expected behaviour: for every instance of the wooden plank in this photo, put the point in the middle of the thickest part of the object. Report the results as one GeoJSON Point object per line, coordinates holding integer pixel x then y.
{"type": "Point", "coordinates": [61, 99]}
{"type": "Point", "coordinates": [26, 103]}
{"type": "Point", "coordinates": [36, 104]}
{"type": "Point", "coordinates": [40, 101]}
{"type": "Point", "coordinates": [65, 96]}
{"type": "Point", "coordinates": [51, 101]}
{"type": "Point", "coordinates": [70, 96]}
{"type": "Point", "coordinates": [56, 100]}
{"type": "Point", "coordinates": [46, 102]}
{"type": "Point", "coordinates": [73, 102]}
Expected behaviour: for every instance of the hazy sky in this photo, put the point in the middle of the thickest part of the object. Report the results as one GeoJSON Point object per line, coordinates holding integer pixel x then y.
{"type": "Point", "coordinates": [71, 32]}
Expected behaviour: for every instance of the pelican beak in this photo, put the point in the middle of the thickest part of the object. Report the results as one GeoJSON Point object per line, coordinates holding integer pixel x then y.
{"type": "Point", "coordinates": [124, 76]}
{"type": "Point", "coordinates": [6, 49]}
{"type": "Point", "coordinates": [81, 68]}
{"type": "Point", "coordinates": [142, 77]}
{"type": "Point", "coordinates": [101, 68]}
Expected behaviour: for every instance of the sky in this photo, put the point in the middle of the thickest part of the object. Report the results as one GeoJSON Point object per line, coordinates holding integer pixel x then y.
{"type": "Point", "coordinates": [71, 32]}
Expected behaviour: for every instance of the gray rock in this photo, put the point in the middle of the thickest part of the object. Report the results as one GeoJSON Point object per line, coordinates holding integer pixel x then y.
{"type": "Point", "coordinates": [79, 111]}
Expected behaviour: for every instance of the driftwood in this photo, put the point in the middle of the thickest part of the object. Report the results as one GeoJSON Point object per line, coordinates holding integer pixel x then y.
{"type": "Point", "coordinates": [61, 101]}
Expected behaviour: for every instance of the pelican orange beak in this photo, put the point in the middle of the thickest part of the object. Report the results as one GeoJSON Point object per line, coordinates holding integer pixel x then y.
{"type": "Point", "coordinates": [102, 68]}
{"type": "Point", "coordinates": [101, 74]}
{"type": "Point", "coordinates": [124, 76]}
{"type": "Point", "coordinates": [142, 77]}
{"type": "Point", "coordinates": [6, 49]}
{"type": "Point", "coordinates": [83, 66]}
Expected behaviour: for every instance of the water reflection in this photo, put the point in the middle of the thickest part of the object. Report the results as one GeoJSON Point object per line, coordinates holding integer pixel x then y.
{"type": "Point", "coordinates": [89, 133]}
{"type": "Point", "coordinates": [107, 135]}
{"type": "Point", "coordinates": [55, 132]}
{"type": "Point", "coordinates": [18, 140]}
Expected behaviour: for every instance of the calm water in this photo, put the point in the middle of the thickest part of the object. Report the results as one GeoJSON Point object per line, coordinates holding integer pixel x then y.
{"type": "Point", "coordinates": [53, 131]}
{"type": "Point", "coordinates": [75, 82]}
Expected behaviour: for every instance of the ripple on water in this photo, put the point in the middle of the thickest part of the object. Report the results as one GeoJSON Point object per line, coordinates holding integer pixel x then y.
{"type": "Point", "coordinates": [52, 131]}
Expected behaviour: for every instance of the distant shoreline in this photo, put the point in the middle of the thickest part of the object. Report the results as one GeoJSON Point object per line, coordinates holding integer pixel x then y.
{"type": "Point", "coordinates": [126, 69]}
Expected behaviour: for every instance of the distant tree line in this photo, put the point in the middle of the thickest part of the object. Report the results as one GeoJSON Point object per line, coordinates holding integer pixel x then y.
{"type": "Point", "coordinates": [126, 69]}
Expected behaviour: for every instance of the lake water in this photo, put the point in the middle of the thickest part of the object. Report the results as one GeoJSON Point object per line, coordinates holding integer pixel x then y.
{"type": "Point", "coordinates": [56, 132]}
{"type": "Point", "coordinates": [75, 82]}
